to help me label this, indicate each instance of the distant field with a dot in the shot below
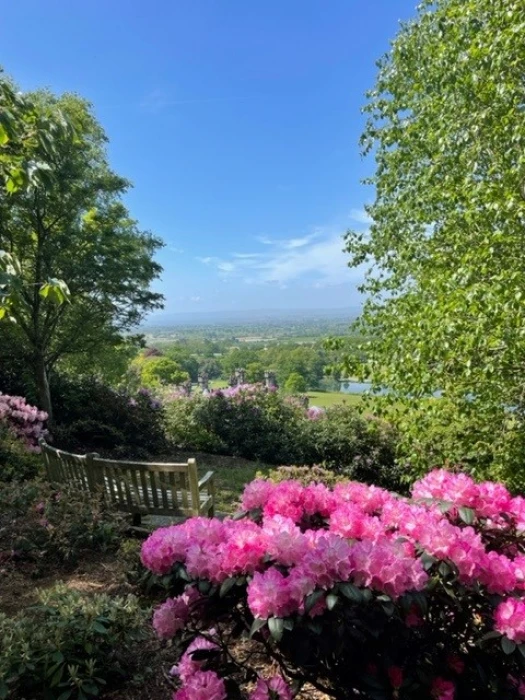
(324, 399)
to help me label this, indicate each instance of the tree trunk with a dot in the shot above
(44, 394)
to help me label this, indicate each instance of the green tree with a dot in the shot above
(254, 372)
(72, 225)
(446, 301)
(295, 384)
(161, 371)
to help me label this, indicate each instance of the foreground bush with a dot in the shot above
(42, 527)
(69, 646)
(356, 590)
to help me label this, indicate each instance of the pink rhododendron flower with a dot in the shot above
(187, 666)
(395, 676)
(275, 688)
(256, 494)
(172, 615)
(442, 689)
(509, 619)
(202, 685)
(269, 595)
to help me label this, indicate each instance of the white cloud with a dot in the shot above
(264, 240)
(226, 266)
(360, 216)
(317, 259)
(195, 299)
(297, 242)
(173, 249)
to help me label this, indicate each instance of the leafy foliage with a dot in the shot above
(41, 528)
(295, 384)
(161, 371)
(69, 646)
(446, 307)
(93, 416)
(16, 463)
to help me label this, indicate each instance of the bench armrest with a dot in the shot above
(205, 479)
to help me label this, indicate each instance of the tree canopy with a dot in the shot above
(446, 279)
(72, 225)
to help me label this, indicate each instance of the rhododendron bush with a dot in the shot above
(22, 420)
(356, 590)
(257, 422)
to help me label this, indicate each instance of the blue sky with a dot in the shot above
(238, 123)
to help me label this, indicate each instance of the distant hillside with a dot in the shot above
(269, 316)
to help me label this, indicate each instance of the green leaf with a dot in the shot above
(276, 627)
(257, 625)
(4, 136)
(312, 599)
(467, 515)
(351, 592)
(226, 586)
(508, 645)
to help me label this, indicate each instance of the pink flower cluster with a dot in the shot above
(24, 421)
(202, 685)
(489, 500)
(315, 413)
(307, 538)
(509, 619)
(199, 684)
(275, 688)
(173, 614)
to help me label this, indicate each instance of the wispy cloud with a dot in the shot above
(360, 216)
(317, 259)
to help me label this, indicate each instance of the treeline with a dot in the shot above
(310, 366)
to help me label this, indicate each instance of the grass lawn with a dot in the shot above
(231, 475)
(332, 398)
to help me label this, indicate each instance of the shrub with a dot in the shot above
(184, 429)
(362, 448)
(304, 475)
(93, 416)
(16, 462)
(69, 646)
(356, 590)
(254, 422)
(22, 420)
(248, 421)
(44, 527)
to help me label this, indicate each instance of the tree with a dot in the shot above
(161, 371)
(73, 226)
(255, 372)
(295, 384)
(446, 300)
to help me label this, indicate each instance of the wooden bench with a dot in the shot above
(139, 488)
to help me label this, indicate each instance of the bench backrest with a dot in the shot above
(134, 487)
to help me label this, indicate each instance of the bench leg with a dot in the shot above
(137, 520)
